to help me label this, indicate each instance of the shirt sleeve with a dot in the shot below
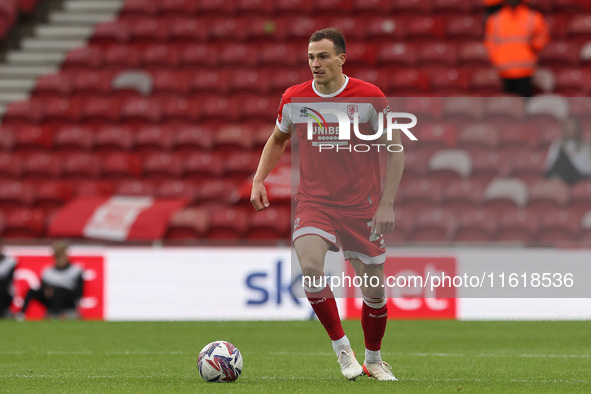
(284, 122)
(381, 109)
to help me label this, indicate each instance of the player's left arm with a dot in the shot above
(384, 220)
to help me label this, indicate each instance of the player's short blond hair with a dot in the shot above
(333, 34)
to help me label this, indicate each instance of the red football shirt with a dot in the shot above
(339, 177)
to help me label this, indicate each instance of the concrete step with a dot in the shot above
(2, 112)
(93, 6)
(22, 72)
(50, 46)
(34, 58)
(20, 85)
(46, 32)
(7, 98)
(79, 19)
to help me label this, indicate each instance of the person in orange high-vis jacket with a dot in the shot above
(515, 35)
(492, 7)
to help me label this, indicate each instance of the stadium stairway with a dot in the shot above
(69, 24)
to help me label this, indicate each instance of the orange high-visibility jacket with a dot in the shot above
(514, 39)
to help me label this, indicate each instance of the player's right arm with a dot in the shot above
(272, 151)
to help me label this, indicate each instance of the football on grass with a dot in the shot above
(219, 361)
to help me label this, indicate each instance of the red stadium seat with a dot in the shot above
(560, 54)
(122, 57)
(517, 226)
(476, 226)
(162, 166)
(24, 223)
(188, 224)
(121, 165)
(144, 8)
(53, 86)
(449, 82)
(270, 224)
(485, 82)
(548, 194)
(371, 75)
(51, 195)
(15, 194)
(408, 83)
(33, 139)
(505, 194)
(148, 31)
(281, 81)
(169, 83)
(353, 28)
(160, 56)
(137, 112)
(361, 54)
(450, 164)
(61, 112)
(411, 7)
(384, 29)
(233, 139)
(528, 166)
(241, 165)
(397, 53)
(428, 109)
(451, 7)
(185, 31)
(238, 54)
(110, 33)
(372, 7)
(24, 113)
(579, 27)
(100, 111)
(437, 54)
(204, 166)
(220, 108)
(259, 108)
(464, 27)
(332, 7)
(434, 225)
(11, 165)
(419, 194)
(94, 188)
(135, 187)
(227, 223)
(153, 138)
(415, 162)
(198, 55)
(225, 30)
(463, 195)
(183, 8)
(479, 135)
(509, 109)
(436, 135)
(255, 7)
(216, 7)
(208, 82)
(216, 192)
(462, 110)
(487, 165)
(280, 54)
(83, 59)
(181, 110)
(249, 81)
(518, 137)
(81, 166)
(544, 6)
(7, 137)
(571, 6)
(573, 82)
(303, 7)
(192, 139)
(403, 229)
(43, 166)
(473, 54)
(580, 196)
(175, 189)
(73, 139)
(92, 84)
(424, 28)
(559, 225)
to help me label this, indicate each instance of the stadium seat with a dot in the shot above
(360, 54)
(177, 8)
(120, 165)
(279, 54)
(505, 109)
(217, 192)
(476, 226)
(93, 188)
(220, 109)
(353, 28)
(24, 223)
(463, 194)
(281, 81)
(436, 135)
(544, 113)
(24, 113)
(518, 137)
(409, 83)
(332, 7)
(434, 225)
(42, 166)
(451, 7)
(560, 54)
(92, 84)
(61, 112)
(474, 54)
(180, 111)
(528, 166)
(463, 27)
(573, 82)
(53, 86)
(403, 229)
(487, 165)
(505, 194)
(227, 223)
(135, 187)
(450, 164)
(384, 30)
(579, 28)
(141, 8)
(303, 7)
(188, 224)
(270, 224)
(255, 7)
(33, 140)
(449, 82)
(557, 24)
(162, 166)
(198, 55)
(258, 107)
(580, 196)
(480, 135)
(51, 195)
(485, 82)
(204, 166)
(7, 137)
(462, 110)
(415, 161)
(119, 57)
(249, 81)
(260, 29)
(423, 28)
(15, 194)
(208, 82)
(110, 33)
(178, 189)
(397, 54)
(81, 166)
(416, 194)
(83, 59)
(430, 112)
(148, 31)
(171, 84)
(192, 139)
(586, 227)
(73, 139)
(437, 54)
(544, 80)
(11, 165)
(131, 84)
(411, 7)
(160, 57)
(153, 138)
(548, 194)
(225, 30)
(241, 165)
(216, 7)
(559, 225)
(113, 139)
(185, 30)
(517, 226)
(138, 112)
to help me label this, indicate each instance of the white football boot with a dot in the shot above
(350, 367)
(379, 371)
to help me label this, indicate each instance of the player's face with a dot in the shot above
(325, 64)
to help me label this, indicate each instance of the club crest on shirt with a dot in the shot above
(351, 110)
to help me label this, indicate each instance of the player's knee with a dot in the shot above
(311, 268)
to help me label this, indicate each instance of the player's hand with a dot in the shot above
(383, 221)
(258, 196)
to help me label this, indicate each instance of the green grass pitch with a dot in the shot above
(160, 357)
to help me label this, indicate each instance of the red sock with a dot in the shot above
(325, 306)
(373, 322)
